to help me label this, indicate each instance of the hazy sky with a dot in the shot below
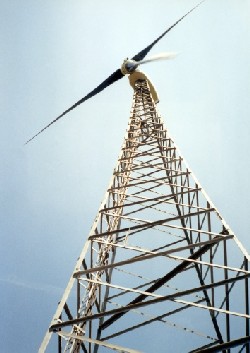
(52, 54)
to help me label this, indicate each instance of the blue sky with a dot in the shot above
(52, 54)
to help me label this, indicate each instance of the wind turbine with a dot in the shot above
(152, 175)
(128, 67)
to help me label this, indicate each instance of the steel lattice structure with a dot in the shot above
(161, 270)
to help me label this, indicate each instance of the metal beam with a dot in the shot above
(148, 224)
(150, 256)
(55, 327)
(227, 345)
(114, 347)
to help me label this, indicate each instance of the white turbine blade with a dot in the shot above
(157, 57)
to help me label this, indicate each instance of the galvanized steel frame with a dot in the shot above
(149, 161)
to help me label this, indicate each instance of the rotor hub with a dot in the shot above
(128, 66)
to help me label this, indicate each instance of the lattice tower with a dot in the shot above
(161, 270)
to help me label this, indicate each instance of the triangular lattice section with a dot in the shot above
(161, 270)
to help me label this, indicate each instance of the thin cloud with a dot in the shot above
(41, 287)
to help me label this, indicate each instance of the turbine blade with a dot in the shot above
(162, 56)
(141, 55)
(115, 76)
